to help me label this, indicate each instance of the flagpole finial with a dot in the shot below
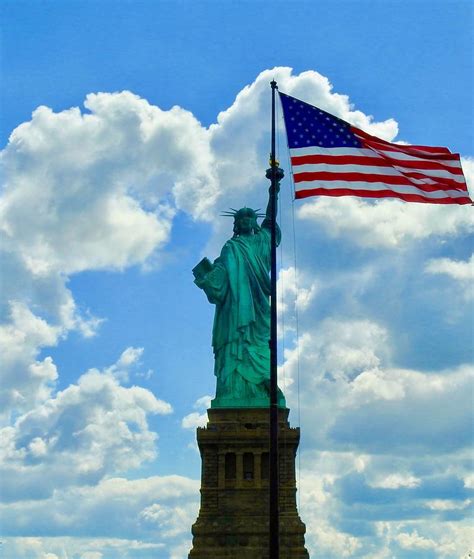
(274, 85)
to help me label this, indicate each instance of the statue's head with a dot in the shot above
(245, 221)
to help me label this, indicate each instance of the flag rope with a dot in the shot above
(291, 191)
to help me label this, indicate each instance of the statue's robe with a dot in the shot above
(239, 286)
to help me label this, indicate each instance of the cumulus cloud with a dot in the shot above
(404, 404)
(461, 271)
(457, 269)
(25, 379)
(154, 513)
(391, 443)
(78, 436)
(87, 190)
(338, 349)
(385, 224)
(344, 516)
(129, 359)
(347, 364)
(293, 291)
(82, 548)
(414, 541)
(394, 481)
(197, 418)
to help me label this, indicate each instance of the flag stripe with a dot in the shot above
(375, 160)
(365, 152)
(401, 147)
(425, 184)
(305, 193)
(432, 174)
(426, 192)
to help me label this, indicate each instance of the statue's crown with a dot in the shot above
(249, 212)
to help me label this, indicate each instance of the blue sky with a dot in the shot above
(126, 128)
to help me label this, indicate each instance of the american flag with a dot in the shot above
(331, 157)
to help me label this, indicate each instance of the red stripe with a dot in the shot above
(325, 176)
(382, 161)
(449, 183)
(377, 147)
(424, 149)
(379, 194)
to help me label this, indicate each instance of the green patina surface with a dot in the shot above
(238, 284)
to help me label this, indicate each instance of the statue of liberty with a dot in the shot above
(238, 283)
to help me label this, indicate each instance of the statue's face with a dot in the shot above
(245, 225)
(245, 221)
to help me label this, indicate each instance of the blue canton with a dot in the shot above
(308, 126)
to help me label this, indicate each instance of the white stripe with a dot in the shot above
(397, 155)
(375, 186)
(435, 173)
(365, 152)
(374, 170)
(313, 150)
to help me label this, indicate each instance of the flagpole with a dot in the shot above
(275, 175)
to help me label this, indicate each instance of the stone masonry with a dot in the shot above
(233, 519)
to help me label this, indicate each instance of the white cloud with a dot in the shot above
(80, 548)
(469, 481)
(338, 349)
(444, 539)
(328, 540)
(193, 420)
(414, 541)
(130, 356)
(196, 419)
(129, 359)
(88, 430)
(87, 190)
(447, 504)
(396, 480)
(461, 271)
(154, 515)
(346, 379)
(387, 223)
(36, 312)
(294, 292)
(25, 380)
(203, 403)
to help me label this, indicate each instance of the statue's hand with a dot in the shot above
(279, 174)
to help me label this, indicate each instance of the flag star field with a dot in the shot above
(307, 125)
(128, 131)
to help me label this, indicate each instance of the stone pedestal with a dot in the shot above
(233, 519)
